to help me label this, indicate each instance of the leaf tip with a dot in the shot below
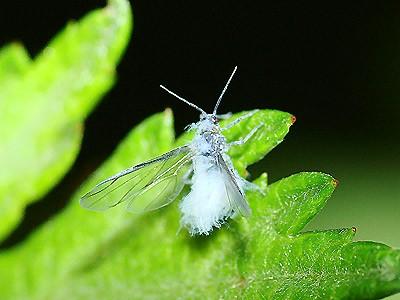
(292, 119)
(168, 115)
(262, 181)
(168, 112)
(335, 182)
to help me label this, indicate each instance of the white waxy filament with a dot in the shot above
(207, 205)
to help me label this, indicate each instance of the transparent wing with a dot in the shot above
(234, 193)
(147, 186)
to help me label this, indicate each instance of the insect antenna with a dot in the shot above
(183, 99)
(223, 91)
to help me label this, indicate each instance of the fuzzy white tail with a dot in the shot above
(207, 205)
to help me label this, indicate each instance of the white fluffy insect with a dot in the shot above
(217, 190)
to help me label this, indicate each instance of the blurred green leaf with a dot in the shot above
(43, 104)
(14, 61)
(77, 237)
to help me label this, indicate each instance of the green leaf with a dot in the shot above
(77, 237)
(322, 265)
(312, 265)
(14, 62)
(44, 102)
(304, 192)
(117, 255)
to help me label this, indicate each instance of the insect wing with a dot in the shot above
(234, 193)
(164, 189)
(147, 186)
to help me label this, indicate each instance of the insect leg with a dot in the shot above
(250, 186)
(238, 120)
(247, 137)
(187, 180)
(224, 116)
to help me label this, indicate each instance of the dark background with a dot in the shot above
(335, 65)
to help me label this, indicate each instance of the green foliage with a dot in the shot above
(14, 61)
(89, 255)
(80, 254)
(43, 104)
(76, 238)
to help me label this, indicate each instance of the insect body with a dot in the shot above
(217, 191)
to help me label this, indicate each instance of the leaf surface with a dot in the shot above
(44, 102)
(77, 237)
(14, 61)
(88, 255)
